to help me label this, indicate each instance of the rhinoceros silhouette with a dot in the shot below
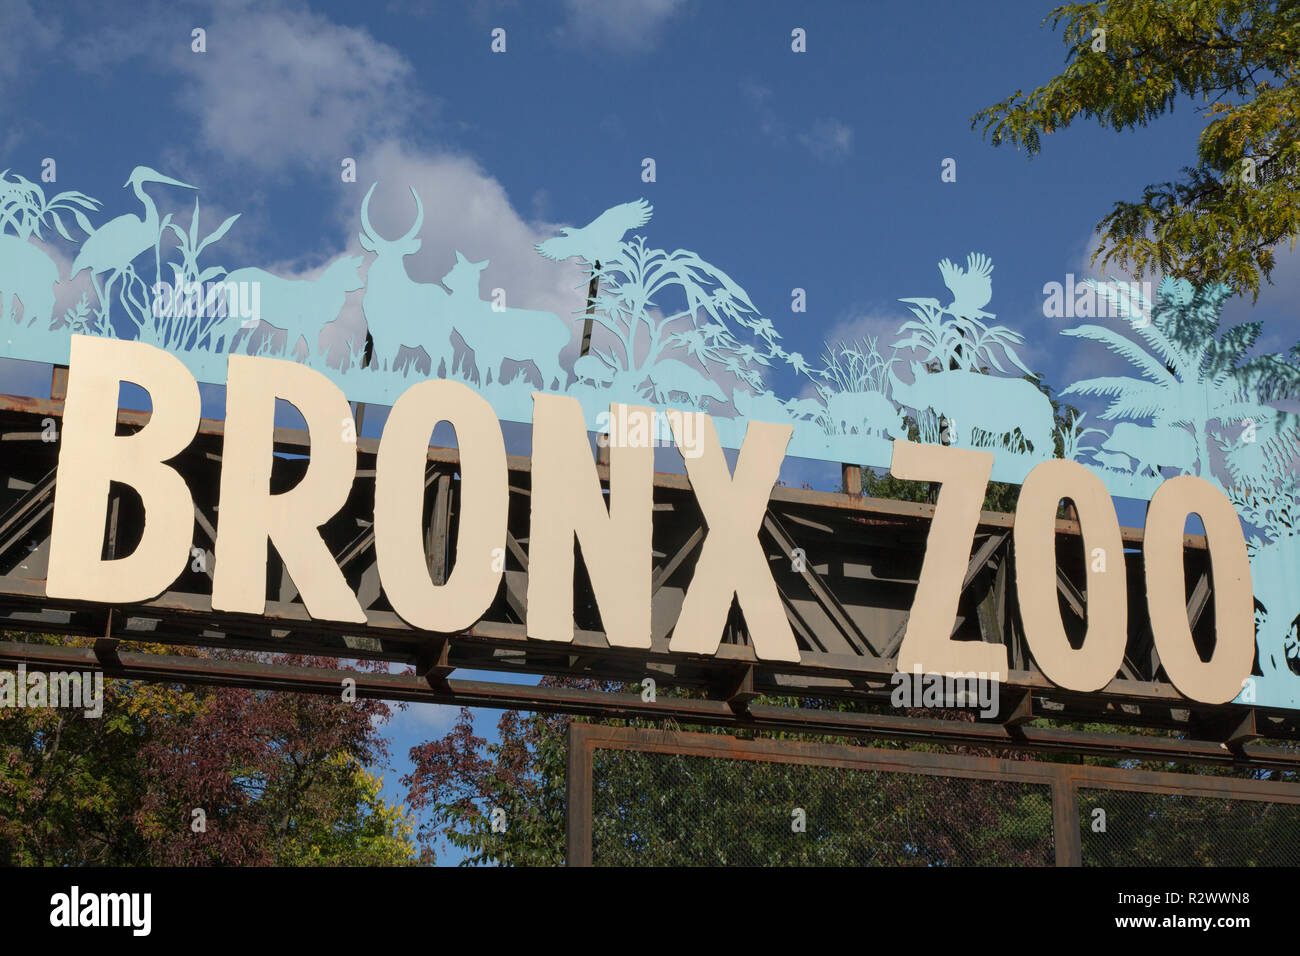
(996, 405)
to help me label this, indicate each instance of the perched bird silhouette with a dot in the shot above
(114, 245)
(971, 288)
(598, 240)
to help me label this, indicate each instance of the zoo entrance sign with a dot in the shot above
(567, 503)
(680, 354)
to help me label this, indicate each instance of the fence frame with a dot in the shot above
(1065, 780)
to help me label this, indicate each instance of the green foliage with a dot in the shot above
(279, 776)
(343, 821)
(673, 810)
(1223, 218)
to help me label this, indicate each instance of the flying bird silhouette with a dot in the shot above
(598, 240)
(971, 288)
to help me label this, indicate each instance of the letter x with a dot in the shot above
(731, 559)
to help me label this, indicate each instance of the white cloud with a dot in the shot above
(620, 25)
(759, 98)
(287, 87)
(422, 720)
(25, 37)
(828, 139)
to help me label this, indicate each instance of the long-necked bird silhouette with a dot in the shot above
(971, 288)
(114, 245)
(597, 241)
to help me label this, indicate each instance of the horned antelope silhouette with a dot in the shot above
(400, 312)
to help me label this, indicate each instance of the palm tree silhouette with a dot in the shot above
(1192, 374)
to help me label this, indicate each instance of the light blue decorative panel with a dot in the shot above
(679, 332)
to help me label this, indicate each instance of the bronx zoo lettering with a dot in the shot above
(567, 503)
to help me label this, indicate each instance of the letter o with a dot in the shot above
(1092, 666)
(399, 506)
(1217, 680)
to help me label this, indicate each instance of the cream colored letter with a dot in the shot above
(1092, 666)
(731, 559)
(1217, 680)
(399, 505)
(91, 456)
(249, 515)
(567, 501)
(927, 642)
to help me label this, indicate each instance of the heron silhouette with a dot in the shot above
(598, 241)
(971, 288)
(114, 245)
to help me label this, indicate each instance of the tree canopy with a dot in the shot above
(278, 778)
(1128, 62)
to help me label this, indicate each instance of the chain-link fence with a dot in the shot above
(1137, 828)
(655, 809)
(657, 798)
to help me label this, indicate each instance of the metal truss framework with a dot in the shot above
(846, 568)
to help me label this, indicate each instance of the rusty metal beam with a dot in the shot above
(852, 634)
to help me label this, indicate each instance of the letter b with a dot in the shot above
(92, 455)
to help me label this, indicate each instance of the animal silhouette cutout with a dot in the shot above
(669, 376)
(802, 409)
(599, 240)
(301, 307)
(496, 334)
(865, 412)
(764, 406)
(1274, 570)
(589, 368)
(971, 288)
(400, 312)
(1153, 447)
(768, 407)
(28, 276)
(115, 245)
(998, 406)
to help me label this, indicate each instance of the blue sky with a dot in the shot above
(818, 170)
